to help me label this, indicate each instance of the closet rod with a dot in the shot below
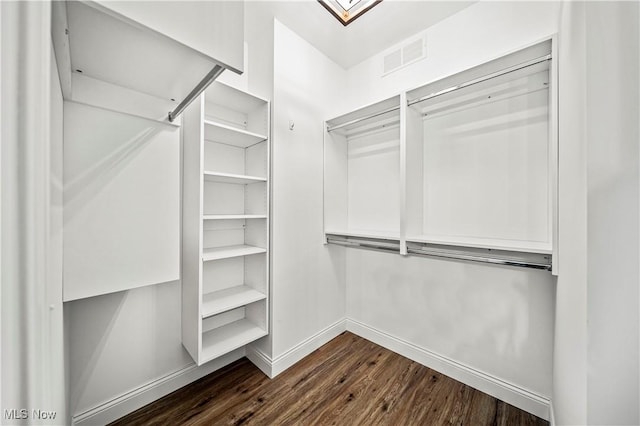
(357, 120)
(481, 79)
(394, 247)
(493, 260)
(206, 81)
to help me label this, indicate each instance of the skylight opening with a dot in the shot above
(346, 11)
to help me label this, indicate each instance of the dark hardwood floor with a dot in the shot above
(348, 381)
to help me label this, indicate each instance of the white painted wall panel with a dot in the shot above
(308, 281)
(485, 171)
(570, 346)
(373, 176)
(613, 209)
(121, 341)
(494, 319)
(121, 202)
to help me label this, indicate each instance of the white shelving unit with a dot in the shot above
(225, 222)
(464, 167)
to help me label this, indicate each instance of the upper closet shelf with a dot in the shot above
(518, 73)
(113, 62)
(217, 132)
(382, 114)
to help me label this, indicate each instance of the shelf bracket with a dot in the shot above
(201, 87)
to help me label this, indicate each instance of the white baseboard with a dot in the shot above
(304, 348)
(498, 388)
(552, 416)
(139, 397)
(273, 367)
(260, 360)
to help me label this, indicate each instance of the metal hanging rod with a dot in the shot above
(372, 245)
(357, 120)
(206, 81)
(476, 258)
(482, 79)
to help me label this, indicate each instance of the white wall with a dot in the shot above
(121, 341)
(477, 34)
(31, 313)
(613, 279)
(121, 202)
(596, 371)
(570, 349)
(308, 281)
(495, 321)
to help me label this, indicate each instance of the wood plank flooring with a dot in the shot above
(348, 381)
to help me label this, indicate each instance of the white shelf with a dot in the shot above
(387, 111)
(381, 235)
(486, 243)
(232, 178)
(111, 48)
(232, 336)
(233, 216)
(227, 252)
(217, 132)
(230, 298)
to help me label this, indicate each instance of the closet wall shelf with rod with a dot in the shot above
(385, 245)
(103, 61)
(496, 257)
(484, 243)
(362, 163)
(391, 236)
(462, 168)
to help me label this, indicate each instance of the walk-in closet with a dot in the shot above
(376, 212)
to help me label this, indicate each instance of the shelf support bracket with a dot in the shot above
(206, 81)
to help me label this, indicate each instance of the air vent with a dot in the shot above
(412, 52)
(392, 61)
(404, 55)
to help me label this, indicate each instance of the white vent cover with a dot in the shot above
(392, 61)
(404, 55)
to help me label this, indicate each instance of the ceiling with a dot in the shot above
(383, 26)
